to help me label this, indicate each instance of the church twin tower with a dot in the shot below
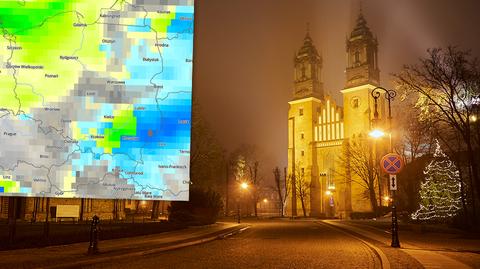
(318, 128)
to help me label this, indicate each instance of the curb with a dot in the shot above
(174, 245)
(384, 262)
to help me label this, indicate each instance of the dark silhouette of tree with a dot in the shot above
(281, 189)
(246, 169)
(207, 159)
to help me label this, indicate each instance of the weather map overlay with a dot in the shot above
(95, 98)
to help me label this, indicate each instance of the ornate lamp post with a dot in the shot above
(376, 133)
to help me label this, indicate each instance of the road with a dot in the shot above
(272, 244)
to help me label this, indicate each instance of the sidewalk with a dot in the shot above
(432, 250)
(74, 255)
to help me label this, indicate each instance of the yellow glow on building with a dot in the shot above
(326, 126)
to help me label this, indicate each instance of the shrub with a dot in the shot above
(202, 208)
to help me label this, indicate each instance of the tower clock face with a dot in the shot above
(355, 102)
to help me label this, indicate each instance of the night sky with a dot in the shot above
(244, 49)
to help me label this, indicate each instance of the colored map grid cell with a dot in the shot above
(96, 98)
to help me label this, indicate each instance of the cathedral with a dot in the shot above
(321, 182)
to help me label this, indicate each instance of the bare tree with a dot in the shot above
(280, 189)
(358, 157)
(287, 182)
(417, 141)
(415, 145)
(246, 168)
(446, 86)
(416, 137)
(155, 210)
(303, 188)
(256, 181)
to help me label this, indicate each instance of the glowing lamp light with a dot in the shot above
(244, 185)
(376, 133)
(473, 118)
(265, 200)
(386, 198)
(328, 193)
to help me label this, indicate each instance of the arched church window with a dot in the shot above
(357, 57)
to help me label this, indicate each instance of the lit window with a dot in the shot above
(301, 111)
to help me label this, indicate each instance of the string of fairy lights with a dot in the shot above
(440, 193)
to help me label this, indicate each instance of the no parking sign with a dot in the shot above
(391, 163)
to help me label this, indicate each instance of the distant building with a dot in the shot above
(318, 127)
(35, 209)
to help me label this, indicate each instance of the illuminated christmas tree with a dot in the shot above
(440, 194)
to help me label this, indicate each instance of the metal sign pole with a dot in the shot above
(395, 240)
(393, 188)
(391, 163)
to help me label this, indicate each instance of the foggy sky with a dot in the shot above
(244, 49)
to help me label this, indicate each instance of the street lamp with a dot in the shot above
(389, 95)
(243, 187)
(376, 133)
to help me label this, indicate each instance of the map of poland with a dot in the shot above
(95, 98)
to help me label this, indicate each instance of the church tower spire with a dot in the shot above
(362, 60)
(308, 65)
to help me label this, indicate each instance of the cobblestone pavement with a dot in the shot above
(269, 244)
(447, 249)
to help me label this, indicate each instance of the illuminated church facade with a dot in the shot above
(319, 128)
